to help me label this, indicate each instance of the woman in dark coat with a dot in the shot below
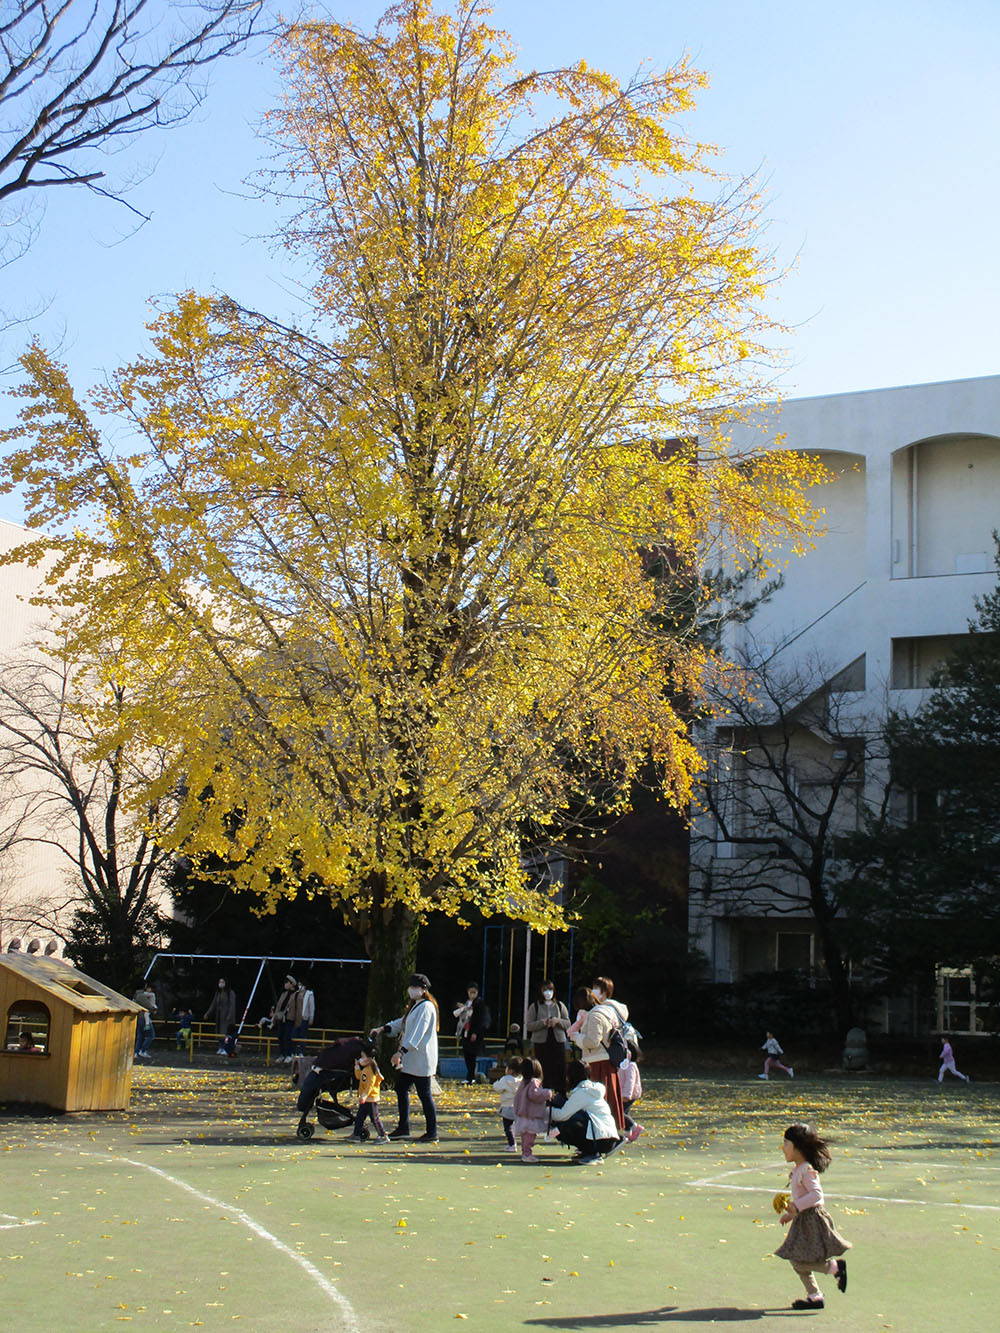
(223, 1009)
(473, 1024)
(546, 1027)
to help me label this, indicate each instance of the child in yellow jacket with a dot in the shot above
(369, 1076)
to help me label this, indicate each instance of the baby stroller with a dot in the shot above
(320, 1088)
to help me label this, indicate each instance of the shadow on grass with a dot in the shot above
(666, 1314)
(418, 1154)
(942, 1145)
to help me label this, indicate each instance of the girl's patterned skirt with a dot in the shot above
(812, 1238)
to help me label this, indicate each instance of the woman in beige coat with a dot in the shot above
(592, 1041)
(546, 1027)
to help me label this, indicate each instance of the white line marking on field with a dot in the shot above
(10, 1222)
(326, 1286)
(716, 1183)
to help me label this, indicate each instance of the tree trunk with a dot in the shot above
(837, 971)
(391, 941)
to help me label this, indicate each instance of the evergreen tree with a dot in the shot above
(927, 872)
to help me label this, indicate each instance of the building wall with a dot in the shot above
(910, 510)
(30, 873)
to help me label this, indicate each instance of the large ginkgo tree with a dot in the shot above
(383, 574)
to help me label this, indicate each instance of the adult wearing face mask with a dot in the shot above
(546, 1026)
(606, 1014)
(416, 1060)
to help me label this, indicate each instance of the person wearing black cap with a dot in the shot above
(416, 1060)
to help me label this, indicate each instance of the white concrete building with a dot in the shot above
(909, 545)
(32, 874)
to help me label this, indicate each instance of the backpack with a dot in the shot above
(620, 1036)
(616, 1046)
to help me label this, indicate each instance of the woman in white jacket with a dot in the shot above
(416, 1060)
(584, 1120)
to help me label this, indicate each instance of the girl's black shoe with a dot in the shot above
(841, 1274)
(808, 1305)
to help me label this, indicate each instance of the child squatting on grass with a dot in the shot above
(812, 1244)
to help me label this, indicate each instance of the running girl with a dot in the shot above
(812, 1244)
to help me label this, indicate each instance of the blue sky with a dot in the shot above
(875, 127)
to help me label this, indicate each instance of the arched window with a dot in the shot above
(27, 1017)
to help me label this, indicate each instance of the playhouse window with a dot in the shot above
(27, 1016)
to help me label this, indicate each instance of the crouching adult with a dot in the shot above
(584, 1121)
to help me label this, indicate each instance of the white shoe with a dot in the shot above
(791, 1073)
(763, 1076)
(511, 1147)
(221, 1051)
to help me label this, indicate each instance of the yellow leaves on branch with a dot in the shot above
(385, 581)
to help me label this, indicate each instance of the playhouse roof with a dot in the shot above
(63, 982)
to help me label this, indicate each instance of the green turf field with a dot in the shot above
(199, 1208)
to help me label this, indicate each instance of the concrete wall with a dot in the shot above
(914, 498)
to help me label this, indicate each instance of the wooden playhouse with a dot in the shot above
(68, 1040)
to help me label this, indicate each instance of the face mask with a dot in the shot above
(599, 996)
(414, 992)
(547, 994)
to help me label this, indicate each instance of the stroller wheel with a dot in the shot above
(304, 1131)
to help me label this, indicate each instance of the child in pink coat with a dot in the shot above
(531, 1114)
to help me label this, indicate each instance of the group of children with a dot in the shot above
(582, 1120)
(773, 1052)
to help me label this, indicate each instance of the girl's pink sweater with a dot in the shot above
(530, 1102)
(807, 1192)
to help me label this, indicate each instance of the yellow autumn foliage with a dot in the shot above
(381, 576)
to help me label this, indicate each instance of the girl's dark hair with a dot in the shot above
(810, 1145)
(576, 1073)
(530, 1069)
(583, 998)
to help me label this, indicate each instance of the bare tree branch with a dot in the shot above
(65, 787)
(790, 774)
(83, 77)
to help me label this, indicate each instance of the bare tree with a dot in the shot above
(70, 781)
(80, 78)
(792, 767)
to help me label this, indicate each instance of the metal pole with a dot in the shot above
(527, 977)
(153, 964)
(510, 978)
(253, 992)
